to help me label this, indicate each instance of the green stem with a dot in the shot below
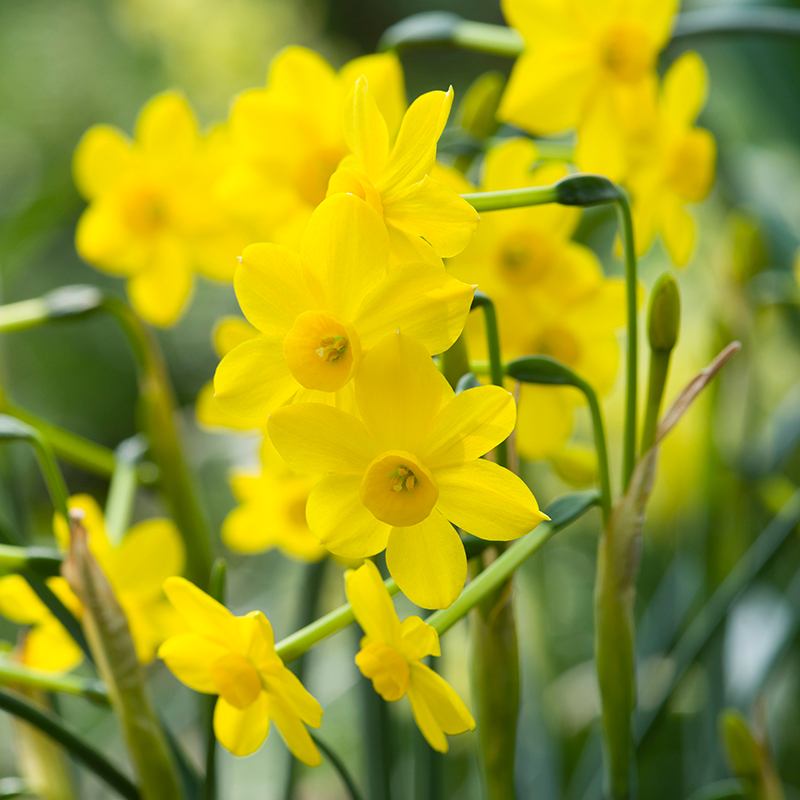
(216, 589)
(599, 432)
(657, 381)
(341, 769)
(122, 490)
(42, 561)
(732, 21)
(505, 199)
(81, 750)
(18, 674)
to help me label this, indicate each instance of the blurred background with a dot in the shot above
(727, 471)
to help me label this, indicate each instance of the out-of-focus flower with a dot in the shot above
(550, 293)
(673, 162)
(391, 657)
(234, 657)
(398, 475)
(153, 216)
(587, 66)
(424, 216)
(289, 136)
(320, 311)
(271, 511)
(46, 645)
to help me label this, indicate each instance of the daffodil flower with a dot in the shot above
(674, 163)
(45, 645)
(153, 217)
(397, 475)
(587, 66)
(234, 657)
(271, 511)
(319, 311)
(288, 137)
(391, 657)
(424, 216)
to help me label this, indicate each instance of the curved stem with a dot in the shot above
(122, 490)
(504, 199)
(81, 750)
(17, 674)
(732, 21)
(341, 769)
(599, 432)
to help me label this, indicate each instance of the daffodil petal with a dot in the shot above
(19, 603)
(469, 426)
(679, 232)
(486, 500)
(242, 731)
(414, 150)
(419, 300)
(447, 708)
(150, 552)
(371, 603)
(436, 213)
(50, 648)
(270, 287)
(418, 639)
(230, 332)
(398, 391)
(685, 89)
(101, 157)
(167, 126)
(364, 128)
(189, 657)
(315, 438)
(293, 731)
(161, 292)
(340, 520)
(297, 698)
(428, 562)
(202, 614)
(300, 72)
(253, 379)
(426, 722)
(545, 422)
(346, 247)
(384, 74)
(103, 240)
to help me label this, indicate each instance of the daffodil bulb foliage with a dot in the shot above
(391, 657)
(234, 658)
(319, 311)
(401, 471)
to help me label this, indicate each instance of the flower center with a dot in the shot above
(236, 679)
(691, 161)
(144, 210)
(559, 343)
(524, 257)
(386, 668)
(626, 51)
(398, 490)
(320, 351)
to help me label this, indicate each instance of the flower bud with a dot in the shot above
(586, 190)
(664, 314)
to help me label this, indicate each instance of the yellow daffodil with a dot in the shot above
(234, 657)
(152, 216)
(319, 311)
(587, 66)
(136, 567)
(228, 333)
(397, 476)
(271, 511)
(674, 162)
(46, 645)
(550, 294)
(289, 136)
(424, 216)
(391, 657)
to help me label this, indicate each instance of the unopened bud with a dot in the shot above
(664, 314)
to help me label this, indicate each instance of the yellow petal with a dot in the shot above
(418, 639)
(160, 293)
(437, 709)
(241, 732)
(285, 684)
(292, 731)
(434, 212)
(469, 426)
(428, 562)
(166, 126)
(101, 157)
(364, 128)
(685, 89)
(679, 232)
(104, 241)
(19, 603)
(602, 145)
(300, 73)
(419, 300)
(50, 648)
(151, 552)
(548, 90)
(203, 614)
(398, 391)
(253, 379)
(189, 657)
(346, 247)
(384, 75)
(372, 605)
(270, 287)
(229, 332)
(486, 500)
(340, 520)
(315, 438)
(658, 17)
(546, 416)
(414, 150)
(210, 414)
